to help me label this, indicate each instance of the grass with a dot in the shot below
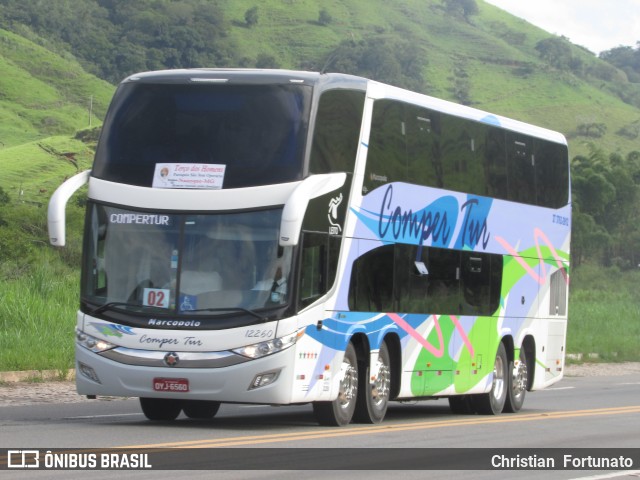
(37, 318)
(288, 30)
(43, 94)
(604, 313)
(38, 309)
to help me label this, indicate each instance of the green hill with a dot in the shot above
(485, 58)
(43, 94)
(489, 60)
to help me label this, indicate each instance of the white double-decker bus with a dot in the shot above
(281, 237)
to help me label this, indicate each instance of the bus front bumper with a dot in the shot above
(266, 380)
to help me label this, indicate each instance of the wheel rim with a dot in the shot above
(348, 384)
(519, 379)
(498, 379)
(382, 384)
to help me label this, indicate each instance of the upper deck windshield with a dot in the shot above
(174, 264)
(257, 132)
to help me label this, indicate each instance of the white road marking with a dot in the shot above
(102, 416)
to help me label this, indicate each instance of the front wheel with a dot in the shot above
(372, 403)
(340, 411)
(517, 389)
(200, 409)
(160, 408)
(492, 403)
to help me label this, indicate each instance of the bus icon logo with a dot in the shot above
(335, 227)
(23, 459)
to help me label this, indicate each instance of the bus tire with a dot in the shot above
(492, 402)
(200, 409)
(372, 403)
(339, 412)
(462, 405)
(161, 408)
(517, 388)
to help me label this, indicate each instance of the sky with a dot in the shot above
(595, 24)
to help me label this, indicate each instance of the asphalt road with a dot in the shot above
(579, 412)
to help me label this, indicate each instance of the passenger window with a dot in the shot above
(424, 157)
(552, 174)
(371, 288)
(480, 282)
(495, 163)
(521, 168)
(387, 156)
(313, 267)
(337, 131)
(443, 292)
(319, 266)
(463, 151)
(413, 279)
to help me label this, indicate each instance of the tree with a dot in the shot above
(324, 17)
(594, 129)
(251, 17)
(266, 61)
(556, 52)
(399, 63)
(4, 200)
(626, 59)
(464, 8)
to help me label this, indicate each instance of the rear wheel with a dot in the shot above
(517, 389)
(160, 408)
(372, 403)
(492, 403)
(340, 411)
(200, 409)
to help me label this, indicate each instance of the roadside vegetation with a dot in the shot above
(58, 78)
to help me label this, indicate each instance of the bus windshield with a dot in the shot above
(184, 264)
(256, 133)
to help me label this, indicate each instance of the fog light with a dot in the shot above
(264, 379)
(88, 372)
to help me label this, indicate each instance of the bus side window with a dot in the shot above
(424, 156)
(337, 131)
(463, 149)
(371, 286)
(552, 174)
(521, 168)
(443, 292)
(387, 156)
(410, 284)
(319, 265)
(481, 279)
(313, 267)
(495, 164)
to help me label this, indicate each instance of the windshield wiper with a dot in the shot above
(110, 305)
(226, 309)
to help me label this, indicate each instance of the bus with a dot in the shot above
(282, 237)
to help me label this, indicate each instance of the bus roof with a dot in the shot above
(375, 90)
(246, 76)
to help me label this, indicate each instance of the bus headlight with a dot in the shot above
(96, 345)
(262, 349)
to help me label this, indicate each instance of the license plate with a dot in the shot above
(171, 385)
